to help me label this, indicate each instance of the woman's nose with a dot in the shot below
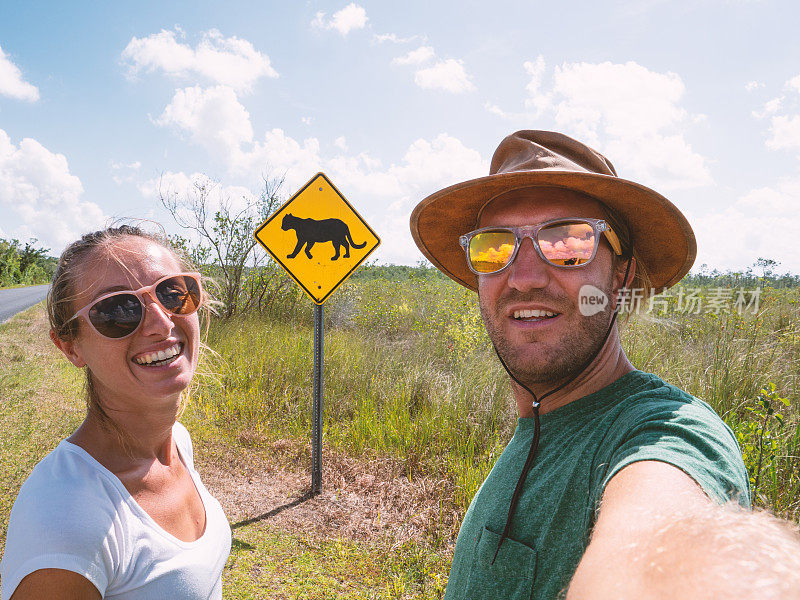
(156, 319)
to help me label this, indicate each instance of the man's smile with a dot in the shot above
(533, 315)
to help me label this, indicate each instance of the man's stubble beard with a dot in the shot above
(566, 360)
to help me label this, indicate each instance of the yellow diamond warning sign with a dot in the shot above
(318, 238)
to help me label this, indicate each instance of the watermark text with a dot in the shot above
(688, 301)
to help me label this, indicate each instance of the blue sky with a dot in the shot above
(99, 101)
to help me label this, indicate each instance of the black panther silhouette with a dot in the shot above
(311, 231)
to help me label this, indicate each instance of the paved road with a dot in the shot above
(18, 299)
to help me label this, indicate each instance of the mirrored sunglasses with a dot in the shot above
(118, 314)
(562, 243)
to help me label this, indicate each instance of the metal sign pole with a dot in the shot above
(327, 217)
(316, 440)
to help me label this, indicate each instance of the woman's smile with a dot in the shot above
(159, 358)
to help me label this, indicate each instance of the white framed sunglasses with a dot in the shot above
(567, 243)
(117, 315)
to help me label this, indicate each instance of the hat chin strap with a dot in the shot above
(537, 425)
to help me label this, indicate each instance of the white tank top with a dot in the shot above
(74, 514)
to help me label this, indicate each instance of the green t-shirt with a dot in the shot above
(583, 445)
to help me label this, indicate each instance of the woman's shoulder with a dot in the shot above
(66, 515)
(68, 481)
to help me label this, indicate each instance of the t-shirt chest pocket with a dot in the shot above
(512, 574)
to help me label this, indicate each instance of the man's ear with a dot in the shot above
(620, 274)
(69, 349)
(620, 281)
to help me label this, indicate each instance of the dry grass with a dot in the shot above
(367, 499)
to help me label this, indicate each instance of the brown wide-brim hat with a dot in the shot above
(659, 233)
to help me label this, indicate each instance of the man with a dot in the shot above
(602, 452)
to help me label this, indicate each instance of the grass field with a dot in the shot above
(42, 404)
(409, 372)
(411, 384)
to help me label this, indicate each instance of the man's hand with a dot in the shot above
(658, 536)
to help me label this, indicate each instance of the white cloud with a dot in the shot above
(536, 71)
(770, 108)
(344, 21)
(785, 132)
(427, 166)
(536, 100)
(182, 186)
(416, 57)
(755, 225)
(227, 61)
(277, 154)
(630, 113)
(784, 114)
(135, 165)
(168, 183)
(11, 82)
(759, 223)
(430, 165)
(496, 110)
(386, 196)
(754, 85)
(626, 100)
(39, 192)
(213, 117)
(447, 75)
(394, 38)
(124, 173)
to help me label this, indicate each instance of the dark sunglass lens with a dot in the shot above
(179, 295)
(116, 316)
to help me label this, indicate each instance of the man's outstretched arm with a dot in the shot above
(659, 536)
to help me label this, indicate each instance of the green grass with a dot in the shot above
(41, 402)
(22, 285)
(266, 563)
(727, 359)
(409, 374)
(446, 418)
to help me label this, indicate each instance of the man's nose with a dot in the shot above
(529, 270)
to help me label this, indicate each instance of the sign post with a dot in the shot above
(317, 217)
(316, 436)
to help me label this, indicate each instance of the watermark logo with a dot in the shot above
(688, 301)
(591, 300)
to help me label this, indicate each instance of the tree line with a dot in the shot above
(24, 264)
(762, 273)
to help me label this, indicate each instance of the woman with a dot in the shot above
(117, 509)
